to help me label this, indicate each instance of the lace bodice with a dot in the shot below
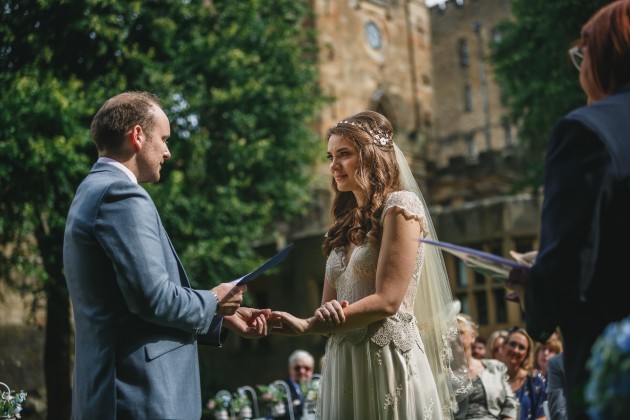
(357, 279)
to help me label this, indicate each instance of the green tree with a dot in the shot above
(239, 83)
(535, 74)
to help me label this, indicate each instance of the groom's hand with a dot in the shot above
(249, 322)
(230, 298)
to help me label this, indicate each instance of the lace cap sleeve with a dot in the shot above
(410, 204)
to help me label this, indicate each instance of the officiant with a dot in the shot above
(580, 277)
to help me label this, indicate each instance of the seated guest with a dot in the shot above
(491, 396)
(530, 389)
(544, 352)
(556, 399)
(479, 348)
(494, 347)
(301, 365)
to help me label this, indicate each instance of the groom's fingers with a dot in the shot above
(235, 292)
(263, 328)
(230, 297)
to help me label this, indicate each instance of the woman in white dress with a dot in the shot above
(393, 350)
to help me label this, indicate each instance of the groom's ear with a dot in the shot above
(136, 137)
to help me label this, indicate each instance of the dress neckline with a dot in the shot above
(345, 263)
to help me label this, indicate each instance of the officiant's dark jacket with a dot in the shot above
(136, 318)
(581, 279)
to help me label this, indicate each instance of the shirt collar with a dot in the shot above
(120, 166)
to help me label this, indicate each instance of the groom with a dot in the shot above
(136, 317)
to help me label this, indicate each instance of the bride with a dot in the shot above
(393, 350)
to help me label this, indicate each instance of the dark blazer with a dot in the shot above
(297, 401)
(296, 395)
(580, 280)
(136, 317)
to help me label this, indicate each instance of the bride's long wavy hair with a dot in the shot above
(377, 175)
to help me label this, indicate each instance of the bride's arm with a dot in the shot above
(330, 311)
(396, 261)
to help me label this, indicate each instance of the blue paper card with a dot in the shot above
(272, 262)
(483, 262)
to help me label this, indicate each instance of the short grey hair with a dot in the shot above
(300, 355)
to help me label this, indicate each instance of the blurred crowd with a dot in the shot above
(513, 377)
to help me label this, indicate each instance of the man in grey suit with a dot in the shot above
(136, 317)
(555, 388)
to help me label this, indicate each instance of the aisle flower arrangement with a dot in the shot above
(608, 389)
(11, 404)
(241, 405)
(273, 397)
(310, 390)
(219, 406)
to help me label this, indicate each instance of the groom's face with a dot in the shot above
(154, 148)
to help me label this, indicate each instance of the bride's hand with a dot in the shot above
(287, 324)
(332, 311)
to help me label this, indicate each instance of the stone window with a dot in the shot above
(468, 102)
(473, 152)
(508, 134)
(464, 53)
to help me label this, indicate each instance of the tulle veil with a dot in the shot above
(435, 311)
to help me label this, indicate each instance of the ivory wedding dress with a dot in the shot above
(379, 371)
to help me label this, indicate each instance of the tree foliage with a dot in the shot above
(535, 74)
(239, 83)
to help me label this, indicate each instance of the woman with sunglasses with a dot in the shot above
(579, 281)
(530, 388)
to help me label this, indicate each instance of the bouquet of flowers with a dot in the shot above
(11, 405)
(608, 389)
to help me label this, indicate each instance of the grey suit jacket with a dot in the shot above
(555, 388)
(136, 317)
(500, 399)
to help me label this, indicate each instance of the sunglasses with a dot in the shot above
(516, 345)
(576, 56)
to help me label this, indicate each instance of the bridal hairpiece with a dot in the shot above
(379, 137)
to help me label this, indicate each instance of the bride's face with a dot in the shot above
(344, 161)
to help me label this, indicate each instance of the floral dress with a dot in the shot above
(532, 395)
(379, 371)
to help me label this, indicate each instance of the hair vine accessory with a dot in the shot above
(379, 137)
